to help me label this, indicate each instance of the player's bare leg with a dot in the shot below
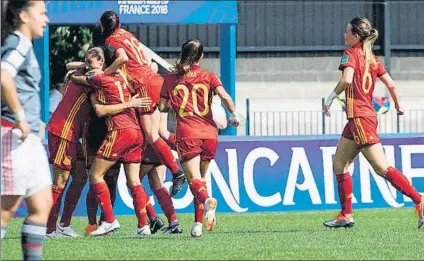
(100, 188)
(156, 176)
(375, 156)
(192, 168)
(9, 206)
(60, 179)
(168, 136)
(34, 227)
(345, 155)
(132, 172)
(73, 194)
(151, 124)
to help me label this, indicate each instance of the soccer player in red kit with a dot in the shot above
(127, 53)
(94, 133)
(360, 69)
(190, 90)
(124, 143)
(64, 131)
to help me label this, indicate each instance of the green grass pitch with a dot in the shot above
(378, 234)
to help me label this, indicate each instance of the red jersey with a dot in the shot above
(68, 120)
(137, 61)
(191, 100)
(113, 90)
(359, 93)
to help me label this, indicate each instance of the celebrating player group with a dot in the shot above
(133, 99)
(115, 113)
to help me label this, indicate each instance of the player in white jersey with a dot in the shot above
(25, 170)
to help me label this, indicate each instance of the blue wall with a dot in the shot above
(290, 174)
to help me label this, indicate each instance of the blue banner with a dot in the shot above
(151, 12)
(293, 174)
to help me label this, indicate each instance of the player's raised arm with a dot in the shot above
(391, 86)
(121, 59)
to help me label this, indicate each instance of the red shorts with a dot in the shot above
(63, 153)
(151, 88)
(125, 145)
(362, 130)
(150, 157)
(190, 148)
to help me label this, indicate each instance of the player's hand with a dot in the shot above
(24, 127)
(140, 102)
(399, 110)
(327, 110)
(234, 119)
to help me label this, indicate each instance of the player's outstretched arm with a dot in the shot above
(121, 59)
(103, 110)
(344, 82)
(391, 86)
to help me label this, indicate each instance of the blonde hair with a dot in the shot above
(96, 52)
(368, 35)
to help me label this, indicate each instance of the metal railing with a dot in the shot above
(274, 123)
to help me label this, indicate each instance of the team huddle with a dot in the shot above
(133, 100)
(116, 114)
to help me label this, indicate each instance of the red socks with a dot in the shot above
(166, 204)
(198, 188)
(54, 213)
(401, 183)
(71, 200)
(171, 140)
(164, 152)
(199, 208)
(103, 197)
(345, 189)
(151, 213)
(139, 200)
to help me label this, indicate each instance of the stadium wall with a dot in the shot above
(263, 174)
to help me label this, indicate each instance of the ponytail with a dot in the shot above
(191, 52)
(367, 48)
(182, 67)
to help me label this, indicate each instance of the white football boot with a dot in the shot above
(144, 231)
(67, 231)
(105, 228)
(196, 229)
(210, 217)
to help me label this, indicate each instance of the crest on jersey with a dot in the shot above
(110, 48)
(345, 59)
